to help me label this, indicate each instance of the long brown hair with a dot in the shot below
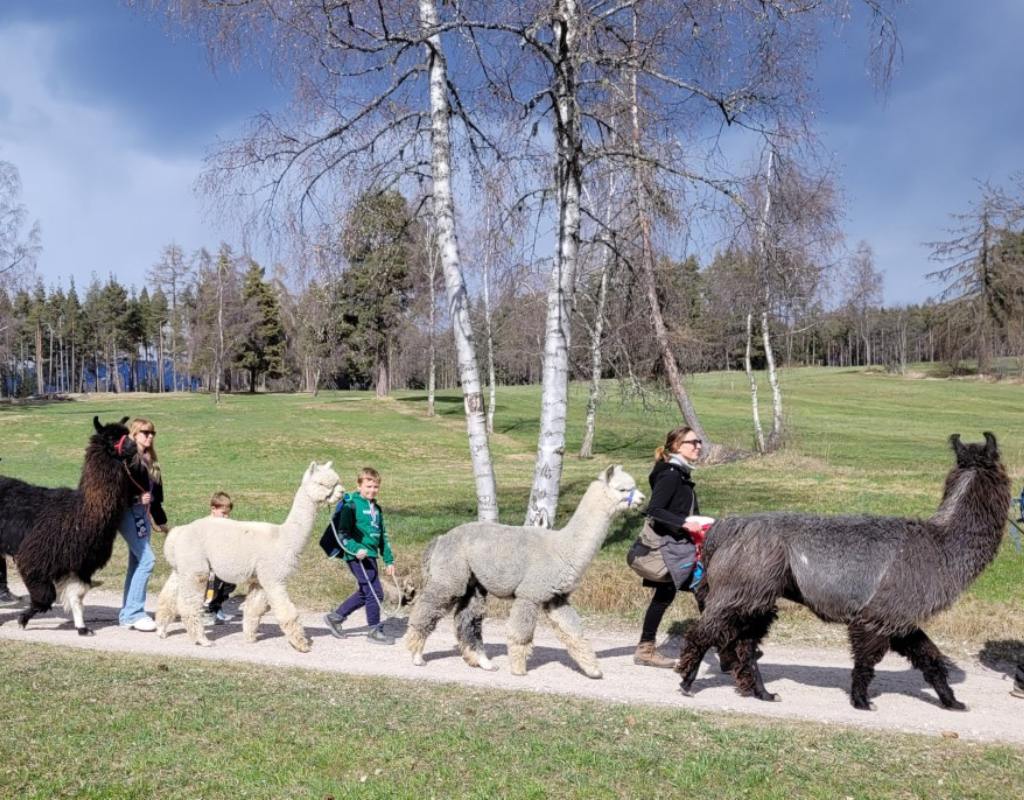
(672, 440)
(149, 458)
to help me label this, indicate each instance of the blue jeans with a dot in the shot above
(140, 563)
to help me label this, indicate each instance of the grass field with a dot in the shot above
(86, 725)
(858, 442)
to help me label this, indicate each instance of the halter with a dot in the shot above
(629, 497)
(119, 447)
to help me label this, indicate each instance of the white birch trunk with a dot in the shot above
(488, 332)
(758, 432)
(596, 332)
(775, 437)
(547, 476)
(458, 301)
(432, 352)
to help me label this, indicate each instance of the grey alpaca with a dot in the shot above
(881, 576)
(537, 568)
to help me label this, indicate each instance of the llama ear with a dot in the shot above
(954, 442)
(991, 448)
(96, 424)
(311, 467)
(606, 476)
(124, 420)
(329, 465)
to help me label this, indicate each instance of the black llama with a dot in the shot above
(60, 537)
(881, 576)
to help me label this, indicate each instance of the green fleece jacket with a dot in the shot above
(360, 523)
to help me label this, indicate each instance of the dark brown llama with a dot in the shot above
(881, 576)
(60, 537)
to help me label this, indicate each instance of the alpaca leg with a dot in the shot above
(925, 656)
(72, 589)
(745, 671)
(42, 595)
(190, 605)
(868, 649)
(699, 639)
(522, 622)
(167, 605)
(255, 606)
(569, 627)
(430, 606)
(287, 617)
(469, 618)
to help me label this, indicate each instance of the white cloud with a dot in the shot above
(106, 202)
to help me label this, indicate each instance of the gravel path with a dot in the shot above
(812, 683)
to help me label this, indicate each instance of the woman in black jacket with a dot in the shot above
(137, 526)
(673, 499)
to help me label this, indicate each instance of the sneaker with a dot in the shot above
(7, 599)
(1018, 691)
(377, 636)
(143, 624)
(334, 623)
(222, 617)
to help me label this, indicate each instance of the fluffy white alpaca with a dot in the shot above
(258, 554)
(537, 567)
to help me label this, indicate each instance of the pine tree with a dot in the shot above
(262, 351)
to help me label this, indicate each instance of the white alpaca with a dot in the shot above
(258, 554)
(537, 567)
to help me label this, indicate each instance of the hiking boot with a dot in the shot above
(7, 599)
(334, 623)
(377, 636)
(1017, 691)
(647, 656)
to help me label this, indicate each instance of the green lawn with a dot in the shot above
(857, 442)
(110, 727)
(80, 724)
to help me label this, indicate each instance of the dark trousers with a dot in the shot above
(1018, 676)
(365, 573)
(664, 594)
(3, 574)
(221, 591)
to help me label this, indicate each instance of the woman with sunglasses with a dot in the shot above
(137, 526)
(673, 499)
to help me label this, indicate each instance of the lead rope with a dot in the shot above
(369, 583)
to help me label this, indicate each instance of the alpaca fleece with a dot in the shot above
(883, 577)
(60, 537)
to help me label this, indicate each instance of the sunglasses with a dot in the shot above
(148, 433)
(694, 442)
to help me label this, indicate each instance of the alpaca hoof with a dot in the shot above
(518, 671)
(417, 660)
(863, 705)
(955, 705)
(22, 622)
(303, 645)
(486, 664)
(204, 643)
(768, 697)
(85, 632)
(686, 690)
(596, 674)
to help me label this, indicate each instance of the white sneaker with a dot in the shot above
(143, 624)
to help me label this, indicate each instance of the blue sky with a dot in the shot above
(108, 118)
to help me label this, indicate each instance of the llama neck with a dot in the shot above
(585, 532)
(105, 491)
(971, 520)
(299, 522)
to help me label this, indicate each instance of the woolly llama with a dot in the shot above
(881, 576)
(258, 554)
(60, 537)
(535, 567)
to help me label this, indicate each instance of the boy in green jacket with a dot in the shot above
(359, 522)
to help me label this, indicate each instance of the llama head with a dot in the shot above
(983, 455)
(322, 483)
(622, 487)
(113, 439)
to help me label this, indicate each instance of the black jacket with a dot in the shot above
(673, 499)
(140, 475)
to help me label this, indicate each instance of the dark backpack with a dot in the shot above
(330, 540)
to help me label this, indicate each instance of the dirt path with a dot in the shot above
(812, 683)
